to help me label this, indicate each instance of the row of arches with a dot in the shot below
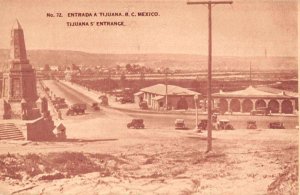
(247, 105)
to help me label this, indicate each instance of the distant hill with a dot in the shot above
(39, 58)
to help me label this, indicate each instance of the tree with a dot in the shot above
(128, 67)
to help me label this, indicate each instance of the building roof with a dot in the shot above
(256, 92)
(159, 97)
(160, 89)
(277, 91)
(138, 93)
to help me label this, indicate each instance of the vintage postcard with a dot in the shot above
(149, 97)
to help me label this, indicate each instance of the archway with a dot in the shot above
(223, 105)
(235, 105)
(260, 104)
(274, 106)
(287, 107)
(247, 105)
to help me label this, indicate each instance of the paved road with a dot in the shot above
(162, 120)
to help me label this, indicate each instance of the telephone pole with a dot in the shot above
(166, 83)
(209, 113)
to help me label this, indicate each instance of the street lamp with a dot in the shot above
(196, 98)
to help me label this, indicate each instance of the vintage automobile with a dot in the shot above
(180, 124)
(76, 109)
(203, 124)
(251, 124)
(276, 125)
(224, 124)
(136, 123)
(104, 100)
(261, 111)
(59, 103)
(126, 99)
(95, 106)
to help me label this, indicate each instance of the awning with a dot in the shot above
(158, 97)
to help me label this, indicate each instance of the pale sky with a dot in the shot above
(245, 28)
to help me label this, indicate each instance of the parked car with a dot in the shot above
(59, 103)
(180, 124)
(261, 111)
(104, 100)
(251, 124)
(276, 125)
(126, 99)
(224, 124)
(95, 106)
(136, 123)
(76, 109)
(203, 124)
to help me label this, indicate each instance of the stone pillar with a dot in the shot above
(280, 104)
(5, 109)
(228, 104)
(241, 104)
(24, 108)
(267, 102)
(39, 103)
(254, 102)
(293, 105)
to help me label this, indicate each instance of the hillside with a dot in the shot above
(175, 61)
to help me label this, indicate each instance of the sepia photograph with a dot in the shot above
(117, 97)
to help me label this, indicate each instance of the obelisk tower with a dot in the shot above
(19, 80)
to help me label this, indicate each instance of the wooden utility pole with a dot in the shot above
(250, 74)
(166, 83)
(209, 99)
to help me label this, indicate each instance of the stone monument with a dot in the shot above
(19, 80)
(19, 99)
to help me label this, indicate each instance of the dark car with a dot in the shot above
(203, 124)
(95, 106)
(76, 109)
(276, 125)
(180, 124)
(136, 123)
(104, 100)
(251, 125)
(224, 124)
(126, 99)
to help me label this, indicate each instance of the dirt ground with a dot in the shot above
(102, 156)
(153, 161)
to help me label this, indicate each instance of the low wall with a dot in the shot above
(40, 129)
